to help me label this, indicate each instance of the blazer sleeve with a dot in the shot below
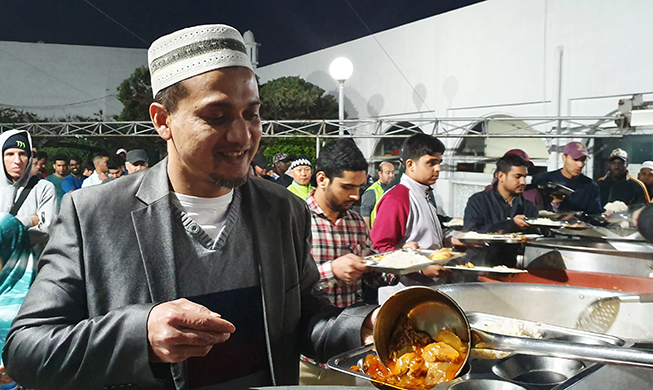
(53, 344)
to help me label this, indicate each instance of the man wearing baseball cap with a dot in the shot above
(645, 175)
(136, 160)
(618, 185)
(187, 275)
(586, 196)
(281, 162)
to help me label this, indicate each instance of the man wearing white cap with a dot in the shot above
(301, 171)
(645, 175)
(618, 185)
(191, 275)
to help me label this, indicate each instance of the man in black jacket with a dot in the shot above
(501, 210)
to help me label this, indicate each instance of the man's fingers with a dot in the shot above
(193, 316)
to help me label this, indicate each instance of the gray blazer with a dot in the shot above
(110, 260)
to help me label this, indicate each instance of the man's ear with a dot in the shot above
(321, 179)
(410, 164)
(501, 176)
(161, 120)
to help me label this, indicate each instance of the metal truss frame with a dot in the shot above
(543, 127)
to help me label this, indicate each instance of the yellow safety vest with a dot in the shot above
(378, 193)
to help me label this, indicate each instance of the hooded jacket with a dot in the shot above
(41, 201)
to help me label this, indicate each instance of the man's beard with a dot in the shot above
(221, 181)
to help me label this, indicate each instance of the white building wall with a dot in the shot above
(510, 57)
(54, 81)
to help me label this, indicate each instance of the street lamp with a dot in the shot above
(341, 69)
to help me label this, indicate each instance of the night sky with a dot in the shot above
(285, 29)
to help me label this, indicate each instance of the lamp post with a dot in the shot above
(341, 69)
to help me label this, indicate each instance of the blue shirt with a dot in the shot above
(70, 183)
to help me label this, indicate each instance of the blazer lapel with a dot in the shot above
(153, 226)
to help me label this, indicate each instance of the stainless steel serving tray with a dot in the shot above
(491, 368)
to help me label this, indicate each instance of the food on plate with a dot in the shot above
(400, 259)
(616, 207)
(418, 361)
(466, 265)
(542, 222)
(441, 254)
(454, 222)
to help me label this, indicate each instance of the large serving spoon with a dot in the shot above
(599, 315)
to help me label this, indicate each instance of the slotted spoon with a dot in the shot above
(599, 315)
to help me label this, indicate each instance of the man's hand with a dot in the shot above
(181, 329)
(436, 271)
(4, 378)
(35, 220)
(520, 221)
(410, 245)
(348, 268)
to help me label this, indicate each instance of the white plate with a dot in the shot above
(374, 264)
(504, 238)
(488, 269)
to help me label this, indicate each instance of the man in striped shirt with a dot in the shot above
(340, 238)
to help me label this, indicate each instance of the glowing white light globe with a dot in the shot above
(341, 69)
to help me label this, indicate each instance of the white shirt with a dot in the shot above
(93, 180)
(209, 213)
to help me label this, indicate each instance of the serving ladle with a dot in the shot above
(431, 311)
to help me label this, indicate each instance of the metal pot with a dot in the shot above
(431, 311)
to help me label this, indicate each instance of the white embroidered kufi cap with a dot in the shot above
(192, 51)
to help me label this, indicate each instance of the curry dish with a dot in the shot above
(418, 361)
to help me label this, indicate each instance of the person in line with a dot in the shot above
(39, 162)
(340, 238)
(260, 166)
(586, 196)
(100, 172)
(32, 201)
(504, 209)
(75, 179)
(89, 168)
(405, 218)
(60, 172)
(618, 185)
(645, 175)
(301, 171)
(530, 191)
(16, 275)
(139, 288)
(115, 167)
(373, 194)
(281, 163)
(136, 161)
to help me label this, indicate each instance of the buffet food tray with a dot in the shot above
(485, 369)
(373, 261)
(502, 238)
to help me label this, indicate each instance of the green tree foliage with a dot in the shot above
(293, 147)
(11, 115)
(135, 94)
(288, 98)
